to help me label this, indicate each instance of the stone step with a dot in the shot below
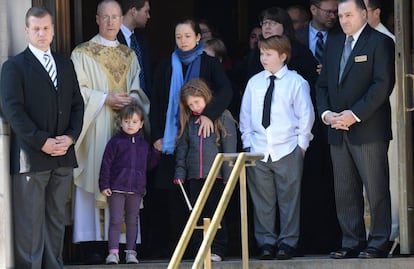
(308, 262)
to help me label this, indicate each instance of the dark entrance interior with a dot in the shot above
(232, 19)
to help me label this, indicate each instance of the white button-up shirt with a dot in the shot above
(291, 117)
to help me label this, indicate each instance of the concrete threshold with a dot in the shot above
(311, 262)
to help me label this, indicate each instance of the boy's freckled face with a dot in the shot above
(271, 60)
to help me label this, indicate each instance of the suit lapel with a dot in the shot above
(360, 44)
(38, 67)
(59, 69)
(338, 47)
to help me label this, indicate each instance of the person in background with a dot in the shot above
(108, 74)
(207, 30)
(353, 90)
(254, 36)
(136, 15)
(299, 15)
(122, 180)
(276, 21)
(42, 103)
(276, 119)
(215, 47)
(314, 36)
(195, 155)
(318, 191)
(374, 20)
(188, 61)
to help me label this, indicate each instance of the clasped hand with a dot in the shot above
(340, 121)
(57, 146)
(117, 100)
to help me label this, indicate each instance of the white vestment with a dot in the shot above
(102, 67)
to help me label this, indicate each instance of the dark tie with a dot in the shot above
(135, 46)
(50, 68)
(345, 55)
(268, 103)
(319, 47)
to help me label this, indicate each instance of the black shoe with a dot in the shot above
(344, 253)
(372, 253)
(285, 252)
(266, 252)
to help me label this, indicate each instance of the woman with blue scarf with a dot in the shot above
(188, 61)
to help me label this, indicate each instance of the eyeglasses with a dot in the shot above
(328, 12)
(113, 18)
(268, 23)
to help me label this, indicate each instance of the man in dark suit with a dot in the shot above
(353, 98)
(41, 101)
(136, 15)
(324, 17)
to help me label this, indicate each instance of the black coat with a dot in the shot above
(213, 74)
(366, 84)
(37, 111)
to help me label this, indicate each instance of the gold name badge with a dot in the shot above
(362, 58)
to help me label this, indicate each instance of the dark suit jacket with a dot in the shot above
(146, 59)
(36, 111)
(365, 87)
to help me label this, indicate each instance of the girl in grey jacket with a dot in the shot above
(195, 155)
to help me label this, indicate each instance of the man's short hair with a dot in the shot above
(128, 4)
(37, 12)
(359, 3)
(374, 4)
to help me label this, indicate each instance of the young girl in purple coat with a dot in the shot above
(122, 180)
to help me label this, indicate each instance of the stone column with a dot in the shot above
(12, 40)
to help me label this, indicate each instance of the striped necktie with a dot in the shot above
(50, 68)
(319, 47)
(135, 46)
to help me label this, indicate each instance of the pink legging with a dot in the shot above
(117, 203)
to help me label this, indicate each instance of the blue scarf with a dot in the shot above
(192, 59)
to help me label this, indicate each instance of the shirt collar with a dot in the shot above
(39, 53)
(279, 74)
(313, 31)
(109, 43)
(358, 33)
(126, 31)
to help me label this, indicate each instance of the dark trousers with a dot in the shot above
(219, 245)
(355, 167)
(39, 200)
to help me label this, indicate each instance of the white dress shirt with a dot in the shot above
(291, 117)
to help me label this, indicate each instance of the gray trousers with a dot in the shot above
(39, 200)
(272, 185)
(356, 166)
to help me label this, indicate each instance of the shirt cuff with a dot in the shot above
(355, 116)
(323, 116)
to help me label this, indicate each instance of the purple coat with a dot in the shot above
(125, 163)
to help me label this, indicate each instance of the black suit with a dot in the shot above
(146, 59)
(37, 111)
(359, 155)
